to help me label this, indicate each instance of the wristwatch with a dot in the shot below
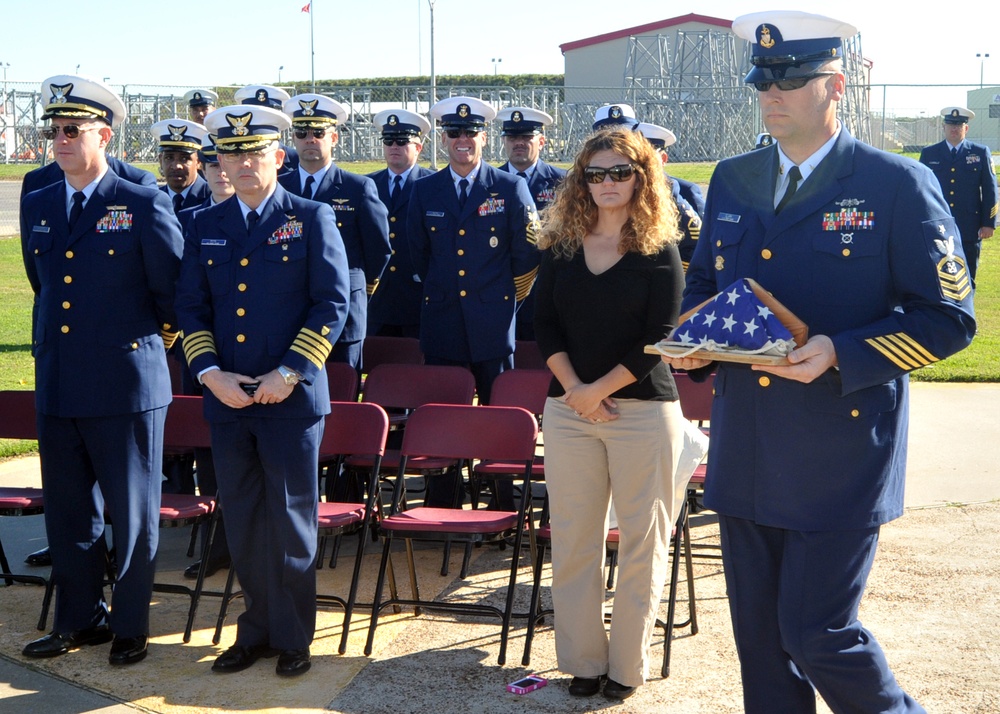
(291, 378)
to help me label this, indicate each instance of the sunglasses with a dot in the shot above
(303, 133)
(618, 174)
(71, 131)
(787, 85)
(455, 133)
(386, 141)
(240, 157)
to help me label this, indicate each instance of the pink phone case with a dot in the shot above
(536, 683)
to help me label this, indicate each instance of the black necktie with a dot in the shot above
(178, 202)
(308, 190)
(76, 210)
(794, 176)
(463, 193)
(251, 221)
(522, 175)
(397, 186)
(954, 152)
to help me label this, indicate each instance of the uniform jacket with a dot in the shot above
(476, 263)
(542, 183)
(196, 196)
(51, 173)
(867, 254)
(363, 224)
(690, 222)
(397, 299)
(969, 185)
(103, 293)
(279, 296)
(691, 193)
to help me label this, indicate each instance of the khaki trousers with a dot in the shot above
(634, 457)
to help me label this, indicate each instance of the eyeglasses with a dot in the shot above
(240, 157)
(71, 131)
(386, 141)
(455, 133)
(618, 174)
(787, 85)
(303, 133)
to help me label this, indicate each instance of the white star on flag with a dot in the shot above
(751, 327)
(710, 318)
(764, 311)
(727, 323)
(732, 297)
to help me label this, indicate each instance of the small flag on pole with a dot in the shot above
(305, 8)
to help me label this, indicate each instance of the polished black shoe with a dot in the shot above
(128, 650)
(585, 686)
(237, 658)
(59, 643)
(214, 566)
(292, 663)
(614, 690)
(40, 558)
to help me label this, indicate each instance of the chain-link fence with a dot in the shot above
(711, 124)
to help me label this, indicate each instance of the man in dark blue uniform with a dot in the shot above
(394, 308)
(262, 297)
(472, 232)
(200, 102)
(807, 460)
(179, 141)
(102, 256)
(361, 218)
(265, 95)
(523, 132)
(968, 182)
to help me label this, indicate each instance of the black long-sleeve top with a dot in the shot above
(604, 320)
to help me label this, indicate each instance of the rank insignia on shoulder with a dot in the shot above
(952, 273)
(491, 206)
(286, 232)
(116, 220)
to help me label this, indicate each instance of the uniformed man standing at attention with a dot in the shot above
(523, 132)
(361, 217)
(200, 103)
(968, 181)
(394, 309)
(102, 256)
(262, 298)
(472, 232)
(807, 460)
(179, 141)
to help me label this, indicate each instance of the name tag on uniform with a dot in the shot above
(39, 229)
(729, 217)
(435, 214)
(213, 241)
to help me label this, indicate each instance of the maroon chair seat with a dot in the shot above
(340, 515)
(182, 510)
(453, 520)
(21, 501)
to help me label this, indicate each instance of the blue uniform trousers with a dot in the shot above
(266, 469)
(793, 597)
(89, 466)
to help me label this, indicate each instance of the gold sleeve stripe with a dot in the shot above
(312, 346)
(169, 338)
(532, 233)
(993, 211)
(371, 287)
(902, 350)
(685, 265)
(523, 283)
(197, 344)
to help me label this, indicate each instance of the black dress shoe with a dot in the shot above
(128, 650)
(292, 663)
(614, 690)
(585, 686)
(239, 657)
(214, 566)
(59, 643)
(40, 558)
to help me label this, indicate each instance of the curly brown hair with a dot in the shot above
(653, 219)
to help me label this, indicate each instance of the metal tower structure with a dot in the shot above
(853, 109)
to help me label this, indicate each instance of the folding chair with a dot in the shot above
(343, 382)
(17, 421)
(378, 350)
(696, 403)
(528, 356)
(351, 428)
(459, 432)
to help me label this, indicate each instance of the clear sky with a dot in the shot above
(243, 41)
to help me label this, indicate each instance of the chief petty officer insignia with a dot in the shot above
(534, 226)
(308, 108)
(262, 96)
(953, 276)
(463, 110)
(516, 117)
(766, 41)
(615, 112)
(393, 120)
(239, 123)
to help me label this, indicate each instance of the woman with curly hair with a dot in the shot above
(610, 282)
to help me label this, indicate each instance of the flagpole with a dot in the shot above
(312, 46)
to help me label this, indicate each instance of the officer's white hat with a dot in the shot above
(763, 139)
(75, 97)
(957, 115)
(463, 112)
(522, 120)
(208, 154)
(659, 136)
(399, 122)
(263, 95)
(315, 110)
(246, 128)
(201, 98)
(178, 135)
(620, 115)
(788, 43)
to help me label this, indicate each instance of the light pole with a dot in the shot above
(279, 73)
(496, 61)
(433, 99)
(3, 108)
(983, 56)
(77, 69)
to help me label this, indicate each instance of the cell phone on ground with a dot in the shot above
(250, 388)
(528, 684)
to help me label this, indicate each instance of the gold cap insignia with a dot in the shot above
(177, 132)
(954, 112)
(196, 96)
(463, 110)
(59, 93)
(393, 120)
(615, 112)
(262, 96)
(239, 124)
(766, 41)
(308, 108)
(516, 117)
